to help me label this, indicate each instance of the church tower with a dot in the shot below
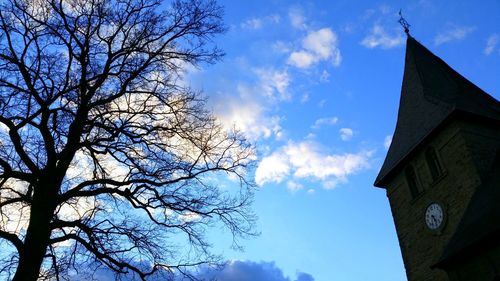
(442, 173)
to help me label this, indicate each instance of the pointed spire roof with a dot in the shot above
(431, 92)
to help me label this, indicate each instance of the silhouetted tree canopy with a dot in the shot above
(107, 158)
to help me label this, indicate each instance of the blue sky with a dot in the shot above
(316, 85)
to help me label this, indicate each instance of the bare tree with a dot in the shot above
(107, 158)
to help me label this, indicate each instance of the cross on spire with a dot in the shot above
(404, 23)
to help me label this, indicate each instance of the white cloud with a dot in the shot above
(293, 186)
(80, 166)
(346, 134)
(452, 33)
(310, 136)
(274, 18)
(320, 42)
(324, 76)
(378, 37)
(249, 270)
(189, 217)
(302, 59)
(78, 209)
(325, 121)
(253, 23)
(258, 23)
(249, 111)
(281, 47)
(387, 141)
(308, 160)
(273, 168)
(14, 217)
(273, 82)
(297, 19)
(246, 114)
(491, 43)
(319, 45)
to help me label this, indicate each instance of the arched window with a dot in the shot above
(411, 178)
(433, 163)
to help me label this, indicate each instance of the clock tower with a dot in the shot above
(442, 173)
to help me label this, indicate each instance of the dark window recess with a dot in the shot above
(435, 166)
(411, 178)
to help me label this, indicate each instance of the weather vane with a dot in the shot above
(404, 23)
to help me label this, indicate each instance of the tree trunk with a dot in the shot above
(36, 240)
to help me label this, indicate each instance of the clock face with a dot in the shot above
(434, 216)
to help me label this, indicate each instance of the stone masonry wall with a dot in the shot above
(464, 150)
